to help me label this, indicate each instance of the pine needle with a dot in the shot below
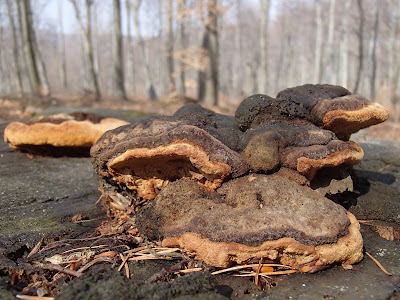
(187, 271)
(26, 297)
(248, 266)
(38, 245)
(267, 273)
(379, 264)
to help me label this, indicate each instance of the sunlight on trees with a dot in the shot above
(205, 49)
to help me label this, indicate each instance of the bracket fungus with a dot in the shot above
(252, 217)
(141, 159)
(327, 106)
(302, 147)
(233, 189)
(63, 134)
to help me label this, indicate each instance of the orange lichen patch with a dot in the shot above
(150, 169)
(69, 133)
(346, 251)
(345, 122)
(350, 156)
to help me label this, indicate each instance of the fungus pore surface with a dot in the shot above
(62, 134)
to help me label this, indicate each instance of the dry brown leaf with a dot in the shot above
(388, 232)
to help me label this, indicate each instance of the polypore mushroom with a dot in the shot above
(137, 161)
(327, 106)
(298, 145)
(62, 134)
(253, 217)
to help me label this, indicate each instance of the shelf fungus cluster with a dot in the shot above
(58, 135)
(236, 189)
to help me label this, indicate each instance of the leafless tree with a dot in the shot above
(360, 35)
(329, 73)
(343, 46)
(264, 18)
(61, 46)
(86, 32)
(129, 53)
(208, 85)
(37, 72)
(15, 47)
(149, 82)
(118, 74)
(318, 42)
(169, 44)
(375, 42)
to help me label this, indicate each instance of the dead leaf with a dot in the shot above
(388, 232)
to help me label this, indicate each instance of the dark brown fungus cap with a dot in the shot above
(62, 134)
(302, 147)
(335, 108)
(146, 156)
(251, 217)
(222, 127)
(330, 107)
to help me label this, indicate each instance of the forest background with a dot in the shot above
(215, 52)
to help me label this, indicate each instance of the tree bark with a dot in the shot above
(318, 42)
(360, 46)
(38, 84)
(264, 19)
(169, 45)
(15, 48)
(61, 47)
(375, 42)
(182, 46)
(237, 73)
(118, 74)
(88, 44)
(328, 71)
(129, 55)
(343, 47)
(208, 85)
(149, 83)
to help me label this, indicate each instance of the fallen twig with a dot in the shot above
(285, 272)
(187, 271)
(94, 261)
(379, 264)
(164, 272)
(62, 270)
(37, 247)
(248, 266)
(124, 259)
(84, 248)
(26, 297)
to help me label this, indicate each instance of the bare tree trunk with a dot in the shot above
(15, 48)
(208, 85)
(169, 45)
(149, 83)
(87, 34)
(318, 42)
(360, 46)
(343, 68)
(182, 45)
(130, 66)
(264, 18)
(237, 74)
(3, 84)
(375, 41)
(61, 47)
(328, 71)
(394, 68)
(118, 76)
(38, 85)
